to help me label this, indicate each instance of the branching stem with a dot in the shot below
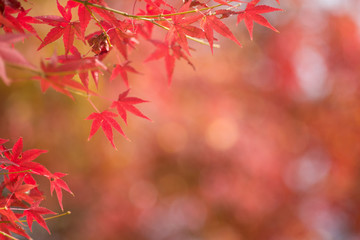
(125, 14)
(4, 173)
(151, 18)
(93, 105)
(7, 235)
(98, 22)
(48, 218)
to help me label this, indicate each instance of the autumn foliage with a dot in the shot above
(193, 20)
(254, 142)
(21, 196)
(91, 33)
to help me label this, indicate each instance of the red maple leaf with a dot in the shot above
(152, 8)
(9, 220)
(106, 15)
(35, 212)
(20, 22)
(60, 76)
(7, 227)
(252, 13)
(125, 103)
(83, 13)
(2, 141)
(181, 27)
(22, 161)
(210, 23)
(122, 69)
(62, 27)
(106, 120)
(24, 21)
(84, 65)
(18, 190)
(170, 54)
(8, 23)
(7, 213)
(57, 184)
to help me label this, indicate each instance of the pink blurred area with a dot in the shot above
(259, 142)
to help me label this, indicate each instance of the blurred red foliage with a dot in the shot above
(257, 143)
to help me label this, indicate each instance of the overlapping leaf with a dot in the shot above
(19, 23)
(59, 74)
(84, 65)
(35, 213)
(21, 188)
(8, 227)
(22, 161)
(170, 54)
(181, 27)
(18, 189)
(62, 27)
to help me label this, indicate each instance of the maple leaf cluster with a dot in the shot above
(118, 31)
(20, 196)
(71, 73)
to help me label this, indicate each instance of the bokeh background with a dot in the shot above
(259, 142)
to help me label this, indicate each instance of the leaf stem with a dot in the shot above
(6, 150)
(59, 215)
(3, 173)
(48, 218)
(125, 14)
(93, 105)
(23, 68)
(198, 40)
(7, 235)
(159, 17)
(66, 73)
(48, 73)
(77, 92)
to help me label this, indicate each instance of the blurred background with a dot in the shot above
(259, 142)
